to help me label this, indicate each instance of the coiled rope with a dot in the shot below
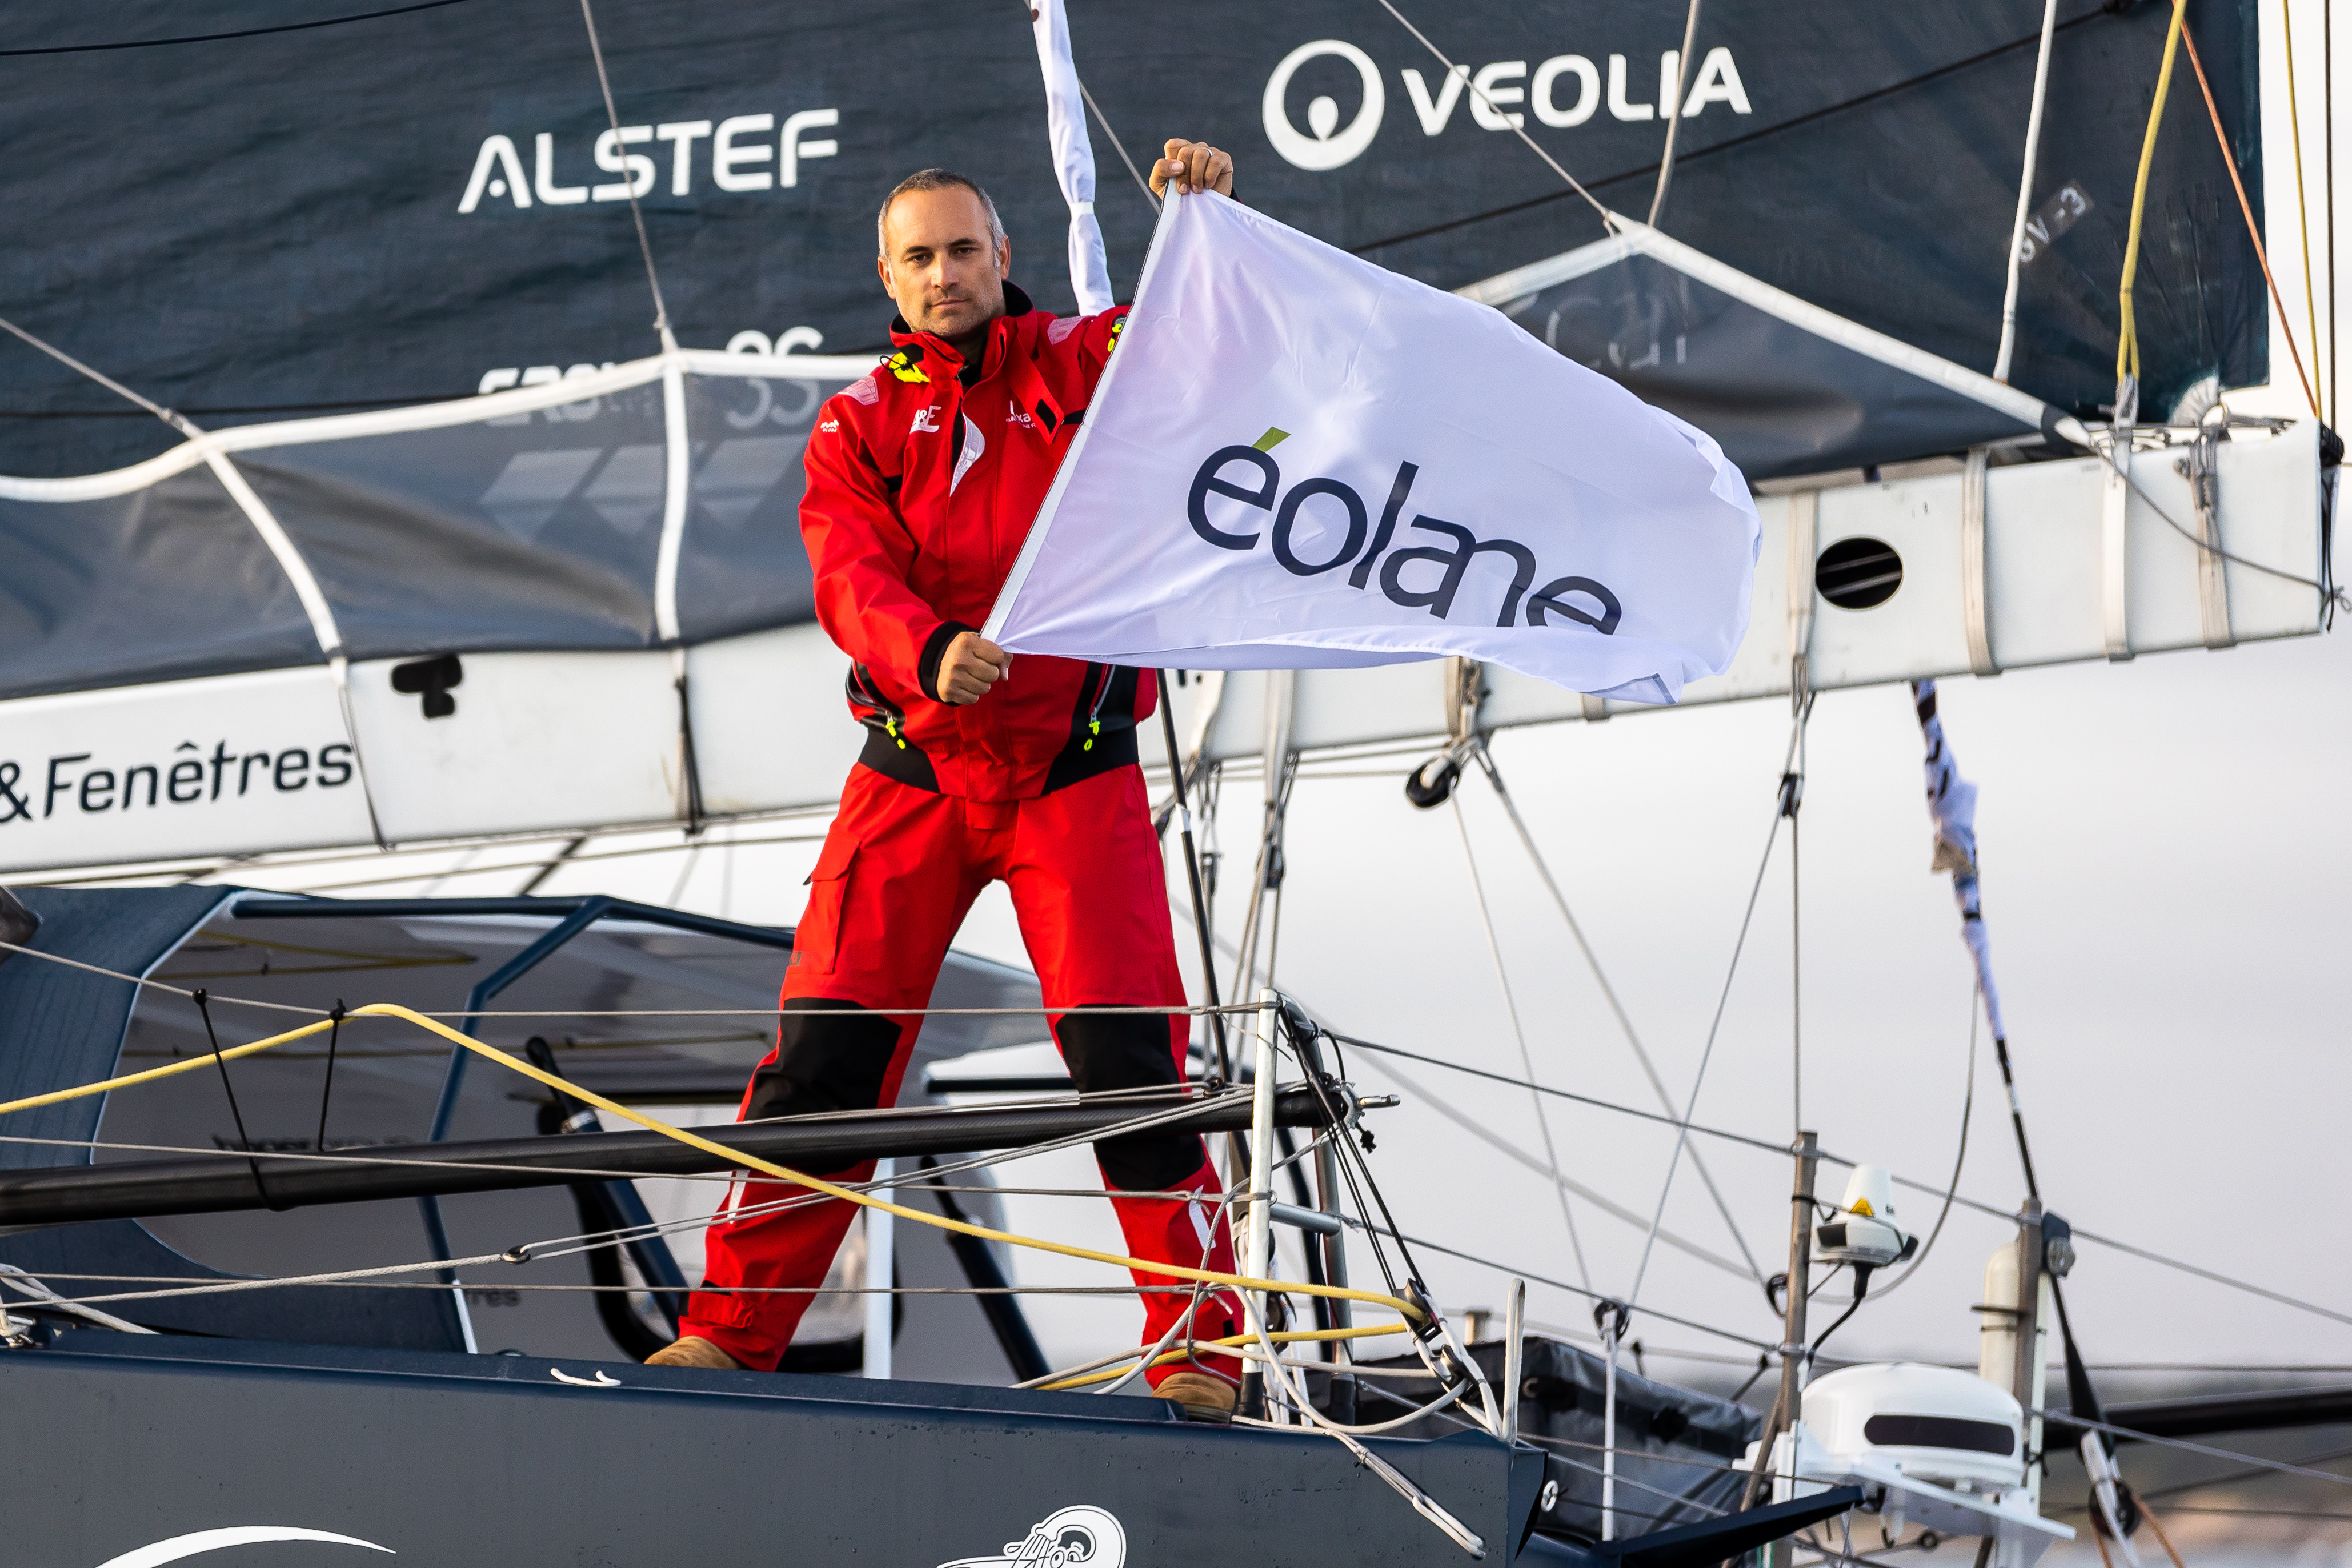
(733, 1157)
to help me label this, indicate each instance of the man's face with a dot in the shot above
(939, 265)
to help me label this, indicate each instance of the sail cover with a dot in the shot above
(655, 502)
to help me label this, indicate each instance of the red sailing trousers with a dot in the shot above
(899, 869)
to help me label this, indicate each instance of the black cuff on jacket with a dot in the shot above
(935, 653)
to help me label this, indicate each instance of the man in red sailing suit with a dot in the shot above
(923, 479)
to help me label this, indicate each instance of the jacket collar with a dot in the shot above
(926, 356)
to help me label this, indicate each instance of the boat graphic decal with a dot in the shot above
(202, 1540)
(1063, 1539)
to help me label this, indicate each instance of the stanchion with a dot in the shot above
(1260, 1238)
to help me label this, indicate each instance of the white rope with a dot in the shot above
(41, 1292)
(2024, 193)
(332, 1277)
(1519, 1034)
(1423, 1503)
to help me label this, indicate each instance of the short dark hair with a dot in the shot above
(936, 180)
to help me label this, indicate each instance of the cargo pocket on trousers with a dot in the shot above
(817, 938)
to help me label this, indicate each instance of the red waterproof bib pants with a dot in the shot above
(898, 871)
(922, 478)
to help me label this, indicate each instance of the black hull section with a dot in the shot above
(457, 1461)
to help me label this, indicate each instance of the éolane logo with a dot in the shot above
(1561, 92)
(1340, 530)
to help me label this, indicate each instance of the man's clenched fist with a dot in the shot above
(972, 665)
(1193, 166)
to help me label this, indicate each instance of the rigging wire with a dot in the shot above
(1422, 1094)
(2301, 206)
(1763, 1144)
(1698, 1080)
(2253, 230)
(1933, 1189)
(1675, 109)
(543, 869)
(1410, 1309)
(150, 983)
(1728, 144)
(2333, 595)
(1792, 796)
(242, 33)
(243, 1142)
(176, 421)
(737, 1158)
(44, 1296)
(1355, 1223)
(595, 1241)
(1967, 1106)
(1494, 773)
(637, 213)
(1121, 147)
(1608, 221)
(1519, 1035)
(640, 1288)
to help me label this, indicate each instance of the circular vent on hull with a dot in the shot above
(1858, 573)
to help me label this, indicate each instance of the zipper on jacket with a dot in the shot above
(1094, 713)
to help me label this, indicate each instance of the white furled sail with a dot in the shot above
(1074, 155)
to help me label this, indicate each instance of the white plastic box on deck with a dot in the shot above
(1928, 1446)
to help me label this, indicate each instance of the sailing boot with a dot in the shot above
(1203, 1397)
(693, 1352)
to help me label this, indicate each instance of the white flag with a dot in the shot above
(1298, 460)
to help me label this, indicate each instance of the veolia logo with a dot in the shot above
(1063, 1539)
(1560, 93)
(1323, 145)
(203, 1541)
(1309, 542)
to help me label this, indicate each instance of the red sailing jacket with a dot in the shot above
(923, 478)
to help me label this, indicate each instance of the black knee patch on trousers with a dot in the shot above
(830, 1056)
(1129, 1050)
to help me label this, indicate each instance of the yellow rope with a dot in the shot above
(1230, 1341)
(2302, 208)
(2128, 341)
(732, 1157)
